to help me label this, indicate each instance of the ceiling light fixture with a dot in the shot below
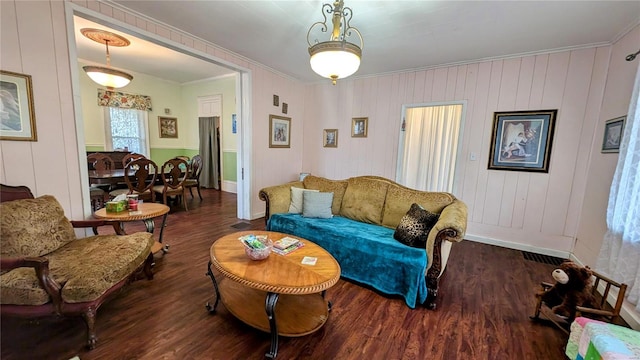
(336, 58)
(107, 76)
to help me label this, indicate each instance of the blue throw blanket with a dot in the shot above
(367, 253)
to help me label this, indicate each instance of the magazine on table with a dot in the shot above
(289, 249)
(285, 242)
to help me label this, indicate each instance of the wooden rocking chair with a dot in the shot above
(605, 312)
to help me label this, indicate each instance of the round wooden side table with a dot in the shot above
(146, 212)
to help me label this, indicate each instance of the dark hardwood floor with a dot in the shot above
(486, 296)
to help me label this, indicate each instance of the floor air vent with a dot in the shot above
(545, 259)
(241, 225)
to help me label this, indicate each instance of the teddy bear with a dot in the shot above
(572, 288)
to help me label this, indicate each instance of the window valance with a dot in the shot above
(123, 100)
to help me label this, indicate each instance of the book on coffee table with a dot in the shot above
(285, 242)
(289, 249)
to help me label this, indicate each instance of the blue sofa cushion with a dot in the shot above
(367, 253)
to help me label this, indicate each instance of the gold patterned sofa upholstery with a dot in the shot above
(380, 201)
(46, 270)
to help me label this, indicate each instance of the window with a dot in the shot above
(126, 129)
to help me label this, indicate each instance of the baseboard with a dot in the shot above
(258, 215)
(518, 246)
(230, 186)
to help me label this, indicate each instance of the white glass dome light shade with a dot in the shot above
(108, 77)
(335, 59)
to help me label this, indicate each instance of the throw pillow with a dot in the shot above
(414, 226)
(296, 199)
(317, 204)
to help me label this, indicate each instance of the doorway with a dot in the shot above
(209, 113)
(429, 146)
(243, 107)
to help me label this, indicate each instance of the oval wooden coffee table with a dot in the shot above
(251, 289)
(146, 212)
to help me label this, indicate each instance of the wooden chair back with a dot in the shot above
(174, 173)
(100, 162)
(10, 193)
(185, 158)
(141, 176)
(601, 281)
(196, 167)
(130, 157)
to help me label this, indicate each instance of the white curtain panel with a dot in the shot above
(620, 253)
(430, 147)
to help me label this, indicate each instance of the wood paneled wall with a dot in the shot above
(521, 209)
(34, 42)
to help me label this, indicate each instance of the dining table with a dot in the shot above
(108, 177)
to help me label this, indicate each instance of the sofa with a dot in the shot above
(359, 226)
(46, 270)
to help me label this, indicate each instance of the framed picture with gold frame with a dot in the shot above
(279, 131)
(330, 138)
(168, 127)
(359, 127)
(18, 120)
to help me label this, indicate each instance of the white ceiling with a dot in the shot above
(398, 35)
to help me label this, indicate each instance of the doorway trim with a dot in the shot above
(243, 107)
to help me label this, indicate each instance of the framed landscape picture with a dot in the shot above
(521, 140)
(613, 130)
(168, 127)
(279, 131)
(17, 117)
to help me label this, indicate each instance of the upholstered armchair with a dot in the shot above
(46, 270)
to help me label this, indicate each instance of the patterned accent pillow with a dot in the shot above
(317, 204)
(415, 225)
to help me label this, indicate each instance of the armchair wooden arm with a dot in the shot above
(94, 224)
(41, 266)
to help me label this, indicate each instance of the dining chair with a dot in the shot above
(183, 157)
(100, 162)
(194, 175)
(140, 177)
(131, 157)
(174, 173)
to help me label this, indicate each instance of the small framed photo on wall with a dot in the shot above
(330, 138)
(168, 127)
(359, 127)
(613, 130)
